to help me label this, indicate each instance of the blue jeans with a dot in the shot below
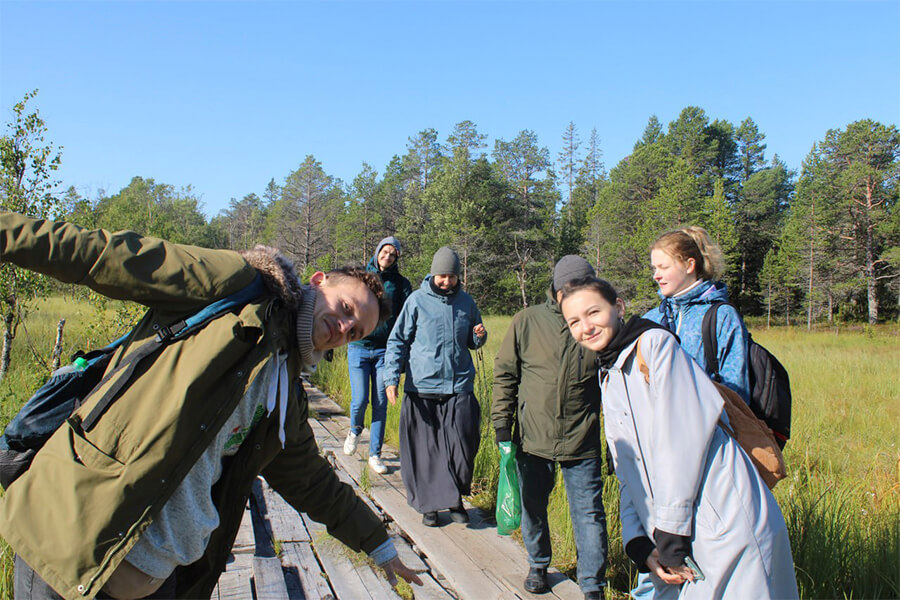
(584, 489)
(366, 369)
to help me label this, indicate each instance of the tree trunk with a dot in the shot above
(57, 347)
(809, 292)
(9, 335)
(870, 257)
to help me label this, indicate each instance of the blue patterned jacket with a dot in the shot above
(685, 318)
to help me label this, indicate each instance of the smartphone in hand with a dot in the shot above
(690, 564)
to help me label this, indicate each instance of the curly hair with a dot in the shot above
(371, 281)
(693, 242)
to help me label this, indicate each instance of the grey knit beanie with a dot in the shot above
(570, 268)
(445, 262)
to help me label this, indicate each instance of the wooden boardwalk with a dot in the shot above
(280, 554)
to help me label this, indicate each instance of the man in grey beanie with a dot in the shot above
(540, 363)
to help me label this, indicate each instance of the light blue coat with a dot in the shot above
(687, 311)
(678, 471)
(431, 341)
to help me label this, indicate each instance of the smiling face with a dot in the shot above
(346, 310)
(672, 275)
(386, 257)
(592, 320)
(445, 282)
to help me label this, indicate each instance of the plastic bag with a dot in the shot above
(509, 502)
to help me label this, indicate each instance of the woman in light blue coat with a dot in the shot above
(440, 420)
(695, 513)
(687, 266)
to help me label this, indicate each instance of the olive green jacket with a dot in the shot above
(88, 496)
(546, 386)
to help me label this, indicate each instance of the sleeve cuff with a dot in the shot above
(503, 434)
(384, 553)
(638, 550)
(672, 547)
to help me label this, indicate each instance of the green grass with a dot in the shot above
(841, 499)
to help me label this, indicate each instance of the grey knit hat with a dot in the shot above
(445, 262)
(570, 268)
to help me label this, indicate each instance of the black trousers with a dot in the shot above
(439, 438)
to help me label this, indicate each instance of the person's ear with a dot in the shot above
(620, 308)
(318, 278)
(690, 266)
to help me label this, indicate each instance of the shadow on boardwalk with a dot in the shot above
(279, 554)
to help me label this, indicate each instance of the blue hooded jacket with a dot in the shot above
(431, 341)
(685, 316)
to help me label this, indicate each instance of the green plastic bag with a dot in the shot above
(509, 503)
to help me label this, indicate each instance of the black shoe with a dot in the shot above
(430, 519)
(536, 582)
(593, 595)
(459, 515)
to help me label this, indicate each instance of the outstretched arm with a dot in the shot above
(123, 265)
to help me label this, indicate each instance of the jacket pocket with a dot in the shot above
(89, 455)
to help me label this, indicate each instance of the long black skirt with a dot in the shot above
(439, 437)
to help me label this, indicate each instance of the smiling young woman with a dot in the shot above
(695, 513)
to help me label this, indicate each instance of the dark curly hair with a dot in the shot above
(372, 281)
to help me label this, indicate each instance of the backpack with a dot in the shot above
(750, 432)
(68, 387)
(770, 386)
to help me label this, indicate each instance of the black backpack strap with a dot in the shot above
(164, 335)
(710, 343)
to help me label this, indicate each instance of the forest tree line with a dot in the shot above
(819, 245)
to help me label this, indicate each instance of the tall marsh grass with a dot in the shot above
(841, 499)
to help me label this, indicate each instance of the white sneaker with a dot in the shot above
(350, 443)
(376, 465)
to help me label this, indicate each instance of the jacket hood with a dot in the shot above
(426, 286)
(372, 265)
(277, 272)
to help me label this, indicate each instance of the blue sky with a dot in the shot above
(224, 96)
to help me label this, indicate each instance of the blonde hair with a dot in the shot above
(693, 242)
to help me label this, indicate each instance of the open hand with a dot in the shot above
(396, 567)
(391, 393)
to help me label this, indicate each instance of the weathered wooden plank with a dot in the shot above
(342, 574)
(454, 562)
(284, 522)
(321, 403)
(299, 558)
(245, 542)
(234, 583)
(268, 578)
(502, 560)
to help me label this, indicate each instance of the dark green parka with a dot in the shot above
(546, 394)
(88, 496)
